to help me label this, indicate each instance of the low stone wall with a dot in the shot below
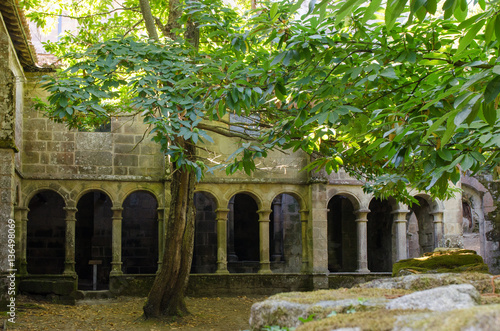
(57, 289)
(348, 280)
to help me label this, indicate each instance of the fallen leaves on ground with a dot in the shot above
(125, 313)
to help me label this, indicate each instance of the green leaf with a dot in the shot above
(346, 9)
(370, 10)
(492, 89)
(489, 113)
(490, 28)
(497, 27)
(274, 10)
(431, 6)
(471, 34)
(278, 58)
(393, 11)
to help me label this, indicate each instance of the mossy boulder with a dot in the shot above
(442, 261)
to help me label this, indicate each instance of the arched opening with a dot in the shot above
(93, 240)
(243, 235)
(379, 241)
(205, 235)
(140, 233)
(471, 226)
(285, 234)
(420, 229)
(46, 233)
(342, 245)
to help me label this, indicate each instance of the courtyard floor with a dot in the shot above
(124, 313)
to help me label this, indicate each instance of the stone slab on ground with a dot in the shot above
(439, 299)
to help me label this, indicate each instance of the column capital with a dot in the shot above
(70, 214)
(304, 214)
(221, 213)
(361, 213)
(22, 209)
(264, 214)
(438, 216)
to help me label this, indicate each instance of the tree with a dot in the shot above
(403, 94)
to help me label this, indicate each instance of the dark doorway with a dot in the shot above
(342, 236)
(140, 234)
(205, 235)
(46, 233)
(93, 240)
(243, 234)
(380, 236)
(285, 234)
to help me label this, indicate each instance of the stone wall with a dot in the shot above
(53, 151)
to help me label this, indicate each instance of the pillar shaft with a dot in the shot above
(278, 231)
(161, 236)
(400, 223)
(222, 214)
(116, 263)
(362, 240)
(438, 228)
(69, 260)
(305, 258)
(21, 217)
(265, 264)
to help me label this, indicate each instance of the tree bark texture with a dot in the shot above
(166, 297)
(148, 19)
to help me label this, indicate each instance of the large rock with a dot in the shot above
(478, 318)
(417, 282)
(442, 261)
(439, 299)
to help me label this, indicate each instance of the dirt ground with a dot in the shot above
(124, 313)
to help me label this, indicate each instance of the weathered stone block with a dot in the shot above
(135, 171)
(146, 161)
(121, 171)
(126, 149)
(59, 146)
(67, 170)
(29, 135)
(125, 160)
(104, 170)
(124, 139)
(84, 158)
(36, 124)
(87, 170)
(35, 146)
(44, 135)
(62, 158)
(33, 169)
(63, 136)
(93, 141)
(31, 157)
(148, 149)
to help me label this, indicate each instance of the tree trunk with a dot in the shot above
(166, 297)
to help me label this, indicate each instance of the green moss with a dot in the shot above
(338, 294)
(460, 260)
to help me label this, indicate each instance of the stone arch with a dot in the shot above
(478, 229)
(254, 195)
(342, 233)
(352, 197)
(95, 187)
(380, 235)
(213, 196)
(140, 232)
(141, 188)
(243, 233)
(46, 232)
(420, 228)
(205, 236)
(285, 232)
(28, 192)
(93, 238)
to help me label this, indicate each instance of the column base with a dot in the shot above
(363, 271)
(222, 272)
(265, 268)
(116, 269)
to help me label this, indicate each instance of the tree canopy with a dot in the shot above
(400, 94)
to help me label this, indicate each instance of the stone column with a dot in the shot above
(265, 264)
(232, 257)
(438, 228)
(318, 225)
(305, 242)
(400, 223)
(69, 260)
(222, 214)
(278, 231)
(161, 236)
(21, 216)
(116, 263)
(362, 240)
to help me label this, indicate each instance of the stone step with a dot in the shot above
(94, 295)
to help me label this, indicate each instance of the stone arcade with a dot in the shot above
(85, 201)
